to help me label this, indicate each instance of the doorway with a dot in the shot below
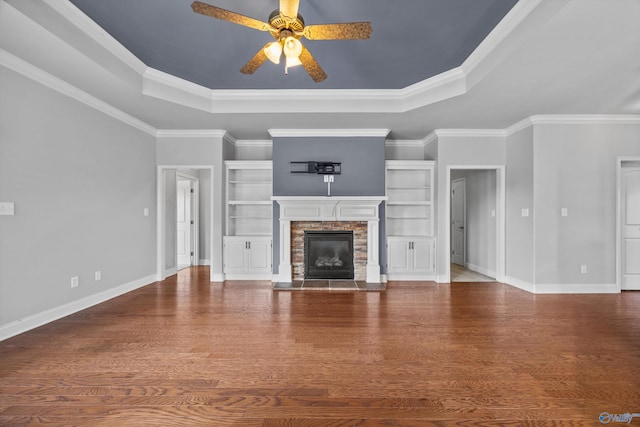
(166, 225)
(187, 224)
(475, 235)
(628, 224)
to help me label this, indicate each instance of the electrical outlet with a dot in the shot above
(145, 211)
(525, 212)
(75, 281)
(583, 269)
(98, 275)
(564, 212)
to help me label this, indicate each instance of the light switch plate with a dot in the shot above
(7, 208)
(525, 212)
(564, 212)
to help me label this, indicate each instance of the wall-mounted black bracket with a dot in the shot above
(319, 168)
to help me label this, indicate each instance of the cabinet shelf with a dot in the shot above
(407, 203)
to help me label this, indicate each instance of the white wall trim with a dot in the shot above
(404, 143)
(309, 133)
(38, 75)
(253, 143)
(576, 288)
(191, 133)
(568, 119)
(411, 277)
(204, 262)
(473, 133)
(520, 284)
(25, 324)
(501, 190)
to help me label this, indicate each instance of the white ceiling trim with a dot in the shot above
(311, 133)
(191, 133)
(38, 75)
(475, 133)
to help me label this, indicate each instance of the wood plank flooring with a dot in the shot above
(185, 352)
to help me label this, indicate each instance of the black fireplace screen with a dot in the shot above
(328, 255)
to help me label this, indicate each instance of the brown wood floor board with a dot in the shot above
(187, 352)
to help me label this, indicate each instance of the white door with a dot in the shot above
(183, 243)
(630, 221)
(458, 218)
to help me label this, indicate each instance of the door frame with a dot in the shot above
(161, 192)
(464, 222)
(500, 218)
(195, 217)
(619, 163)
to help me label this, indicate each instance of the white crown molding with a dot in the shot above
(404, 143)
(38, 75)
(253, 143)
(311, 133)
(473, 133)
(191, 133)
(568, 119)
(78, 18)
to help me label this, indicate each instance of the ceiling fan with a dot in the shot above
(287, 27)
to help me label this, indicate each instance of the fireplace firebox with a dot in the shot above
(328, 255)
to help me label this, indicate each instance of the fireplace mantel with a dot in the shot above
(329, 208)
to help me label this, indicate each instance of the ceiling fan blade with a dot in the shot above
(226, 15)
(289, 8)
(345, 31)
(254, 63)
(311, 65)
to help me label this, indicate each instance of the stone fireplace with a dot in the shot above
(357, 215)
(328, 254)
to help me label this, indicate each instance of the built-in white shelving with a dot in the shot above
(247, 242)
(409, 219)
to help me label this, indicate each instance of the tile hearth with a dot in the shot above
(329, 285)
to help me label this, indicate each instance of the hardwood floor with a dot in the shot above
(184, 352)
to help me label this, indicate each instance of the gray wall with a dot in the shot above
(575, 168)
(363, 174)
(519, 236)
(80, 181)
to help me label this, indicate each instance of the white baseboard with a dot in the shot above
(441, 278)
(577, 288)
(520, 284)
(412, 277)
(384, 278)
(170, 272)
(204, 262)
(217, 277)
(564, 288)
(481, 270)
(23, 325)
(262, 276)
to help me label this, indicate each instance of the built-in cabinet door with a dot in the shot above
(410, 255)
(259, 253)
(423, 256)
(244, 255)
(398, 257)
(234, 255)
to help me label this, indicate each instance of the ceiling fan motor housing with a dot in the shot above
(279, 22)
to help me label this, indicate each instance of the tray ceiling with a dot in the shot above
(412, 40)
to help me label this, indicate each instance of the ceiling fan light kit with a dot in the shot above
(288, 27)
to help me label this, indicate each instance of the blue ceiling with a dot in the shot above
(411, 41)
